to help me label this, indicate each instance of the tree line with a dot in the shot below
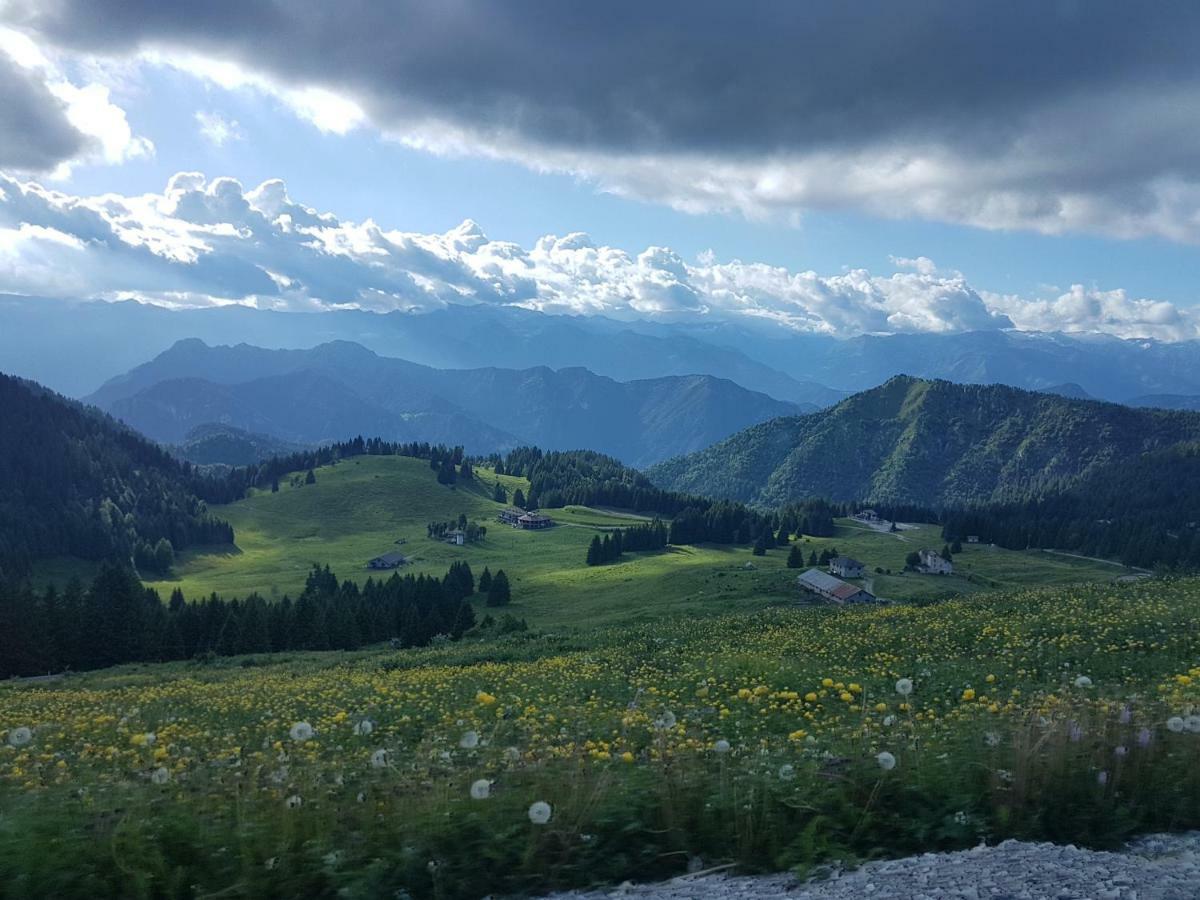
(651, 536)
(117, 620)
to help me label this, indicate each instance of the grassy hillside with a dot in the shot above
(772, 739)
(360, 507)
(931, 443)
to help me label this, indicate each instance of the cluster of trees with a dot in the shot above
(473, 531)
(446, 471)
(592, 479)
(75, 482)
(117, 620)
(651, 536)
(496, 587)
(1143, 513)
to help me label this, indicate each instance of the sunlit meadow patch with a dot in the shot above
(773, 739)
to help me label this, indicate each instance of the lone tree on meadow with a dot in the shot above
(795, 558)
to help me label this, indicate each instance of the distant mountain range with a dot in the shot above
(931, 443)
(56, 343)
(341, 389)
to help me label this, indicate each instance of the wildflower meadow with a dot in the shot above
(784, 738)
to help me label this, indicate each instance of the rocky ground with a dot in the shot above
(1162, 867)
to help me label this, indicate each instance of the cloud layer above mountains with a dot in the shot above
(1053, 116)
(204, 242)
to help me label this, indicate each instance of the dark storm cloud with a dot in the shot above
(678, 76)
(1052, 115)
(34, 132)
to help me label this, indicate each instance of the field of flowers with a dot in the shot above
(784, 738)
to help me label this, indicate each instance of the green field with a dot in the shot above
(509, 766)
(360, 507)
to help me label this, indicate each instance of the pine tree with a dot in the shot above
(485, 580)
(595, 552)
(795, 559)
(519, 499)
(311, 477)
(464, 621)
(760, 545)
(498, 593)
(499, 494)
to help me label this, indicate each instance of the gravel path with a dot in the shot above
(1163, 867)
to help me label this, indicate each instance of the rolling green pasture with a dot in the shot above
(360, 507)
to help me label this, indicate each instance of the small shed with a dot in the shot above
(388, 561)
(534, 520)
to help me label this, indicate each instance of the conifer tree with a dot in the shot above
(498, 593)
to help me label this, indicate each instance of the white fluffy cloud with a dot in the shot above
(216, 129)
(209, 241)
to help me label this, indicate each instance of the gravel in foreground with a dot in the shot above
(1162, 867)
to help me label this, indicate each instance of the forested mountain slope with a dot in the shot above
(933, 443)
(75, 482)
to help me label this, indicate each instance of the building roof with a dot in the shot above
(845, 591)
(821, 581)
(534, 516)
(847, 561)
(391, 559)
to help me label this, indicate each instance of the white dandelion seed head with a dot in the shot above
(992, 739)
(1102, 777)
(540, 812)
(469, 740)
(889, 721)
(904, 687)
(1192, 724)
(379, 759)
(150, 738)
(1175, 724)
(787, 772)
(721, 746)
(481, 789)
(1144, 737)
(512, 754)
(301, 732)
(364, 727)
(280, 775)
(1126, 715)
(19, 736)
(1083, 682)
(362, 797)
(161, 775)
(294, 802)
(886, 761)
(1121, 750)
(665, 720)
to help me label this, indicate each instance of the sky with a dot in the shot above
(874, 167)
